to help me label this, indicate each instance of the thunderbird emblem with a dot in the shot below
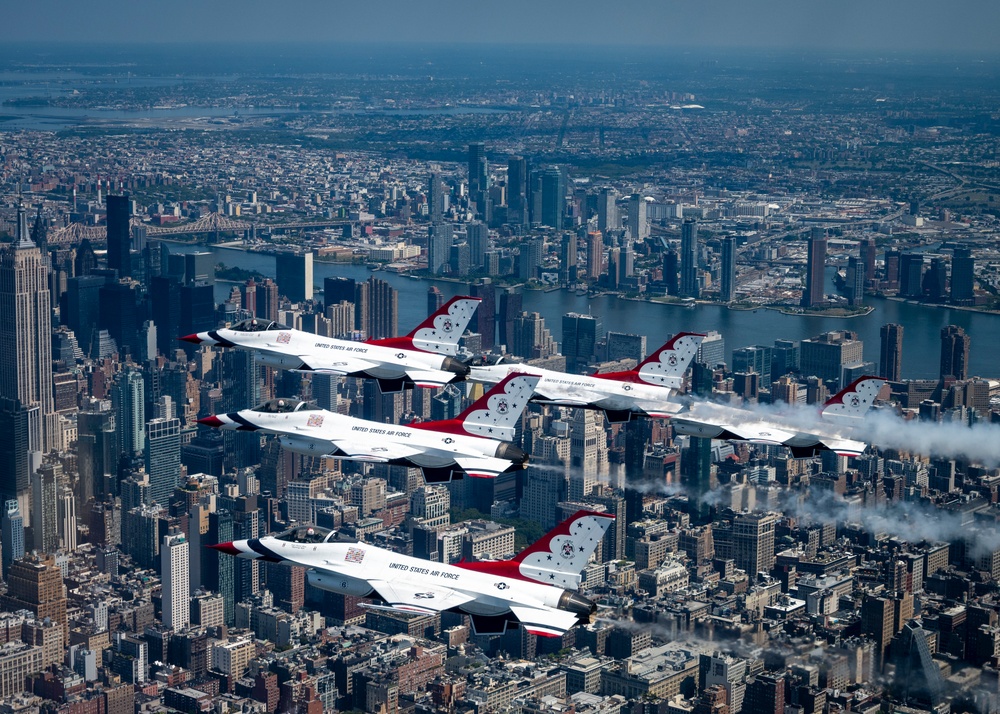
(447, 325)
(672, 360)
(502, 406)
(567, 550)
(855, 401)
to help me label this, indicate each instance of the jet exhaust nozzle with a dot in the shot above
(515, 454)
(456, 367)
(580, 606)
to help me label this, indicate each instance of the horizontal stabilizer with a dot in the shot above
(482, 466)
(431, 378)
(544, 621)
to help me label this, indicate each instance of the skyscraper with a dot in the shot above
(478, 236)
(517, 184)
(755, 359)
(891, 356)
(696, 476)
(568, 260)
(128, 399)
(689, 286)
(435, 197)
(530, 258)
(82, 307)
(595, 255)
(638, 226)
(382, 318)
(868, 255)
(478, 169)
(267, 300)
(588, 452)
(163, 458)
(911, 271)
(294, 273)
(44, 509)
(753, 541)
(955, 345)
(607, 211)
(671, 261)
(510, 310)
(485, 322)
(175, 576)
(580, 335)
(963, 269)
(855, 282)
(727, 290)
(814, 293)
(119, 234)
(26, 338)
(435, 299)
(440, 236)
(12, 534)
(553, 197)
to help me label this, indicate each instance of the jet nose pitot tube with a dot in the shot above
(580, 606)
(453, 365)
(514, 454)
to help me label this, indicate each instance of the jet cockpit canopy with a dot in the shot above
(256, 324)
(285, 406)
(314, 534)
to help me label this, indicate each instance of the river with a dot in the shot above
(740, 328)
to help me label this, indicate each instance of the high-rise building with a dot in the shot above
(517, 194)
(119, 234)
(26, 338)
(671, 263)
(588, 452)
(854, 284)
(727, 290)
(753, 541)
(478, 169)
(45, 508)
(510, 310)
(530, 259)
(175, 576)
(891, 356)
(696, 476)
(826, 355)
(435, 299)
(568, 260)
(381, 320)
(440, 236)
(485, 323)
(689, 283)
(338, 290)
(35, 583)
(267, 300)
(963, 272)
(82, 307)
(712, 350)
(638, 225)
(11, 535)
(435, 197)
(163, 458)
(607, 211)
(478, 236)
(955, 345)
(294, 273)
(814, 294)
(911, 272)
(595, 255)
(129, 401)
(621, 345)
(553, 197)
(580, 336)
(727, 671)
(765, 695)
(868, 255)
(754, 359)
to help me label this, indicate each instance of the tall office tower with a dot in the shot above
(530, 259)
(765, 694)
(17, 459)
(478, 169)
(246, 524)
(588, 452)
(82, 307)
(825, 356)
(11, 534)
(638, 225)
(689, 285)
(595, 255)
(638, 433)
(621, 345)
(44, 508)
(338, 290)
(543, 490)
(854, 284)
(486, 318)
(628, 259)
(553, 197)
(119, 235)
(248, 295)
(510, 310)
(382, 319)
(440, 236)
(163, 458)
(815, 270)
(217, 569)
(753, 541)
(288, 586)
(175, 576)
(868, 255)
(460, 259)
(435, 299)
(267, 300)
(754, 359)
(66, 519)
(891, 356)
(696, 477)
(784, 358)
(918, 676)
(294, 273)
(911, 275)
(35, 583)
(435, 197)
(614, 276)
(955, 345)
(580, 336)
(712, 351)
(517, 191)
(671, 262)
(727, 671)
(26, 338)
(119, 314)
(607, 211)
(165, 310)
(478, 235)
(935, 281)
(531, 338)
(727, 291)
(963, 270)
(129, 401)
(241, 389)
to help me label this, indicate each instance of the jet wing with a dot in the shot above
(378, 452)
(430, 377)
(544, 621)
(341, 366)
(482, 466)
(425, 599)
(759, 433)
(844, 447)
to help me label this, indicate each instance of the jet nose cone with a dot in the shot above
(228, 548)
(192, 338)
(212, 421)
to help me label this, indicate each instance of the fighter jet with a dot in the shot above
(642, 391)
(839, 421)
(423, 358)
(476, 443)
(535, 590)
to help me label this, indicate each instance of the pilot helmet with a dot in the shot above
(310, 532)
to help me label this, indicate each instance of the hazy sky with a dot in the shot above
(917, 25)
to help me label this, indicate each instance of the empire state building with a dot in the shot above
(26, 343)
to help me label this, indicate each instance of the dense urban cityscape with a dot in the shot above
(812, 222)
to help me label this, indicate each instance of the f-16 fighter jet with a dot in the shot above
(536, 590)
(423, 358)
(839, 420)
(476, 443)
(642, 391)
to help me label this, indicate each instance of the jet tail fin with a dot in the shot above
(495, 414)
(665, 367)
(441, 331)
(854, 400)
